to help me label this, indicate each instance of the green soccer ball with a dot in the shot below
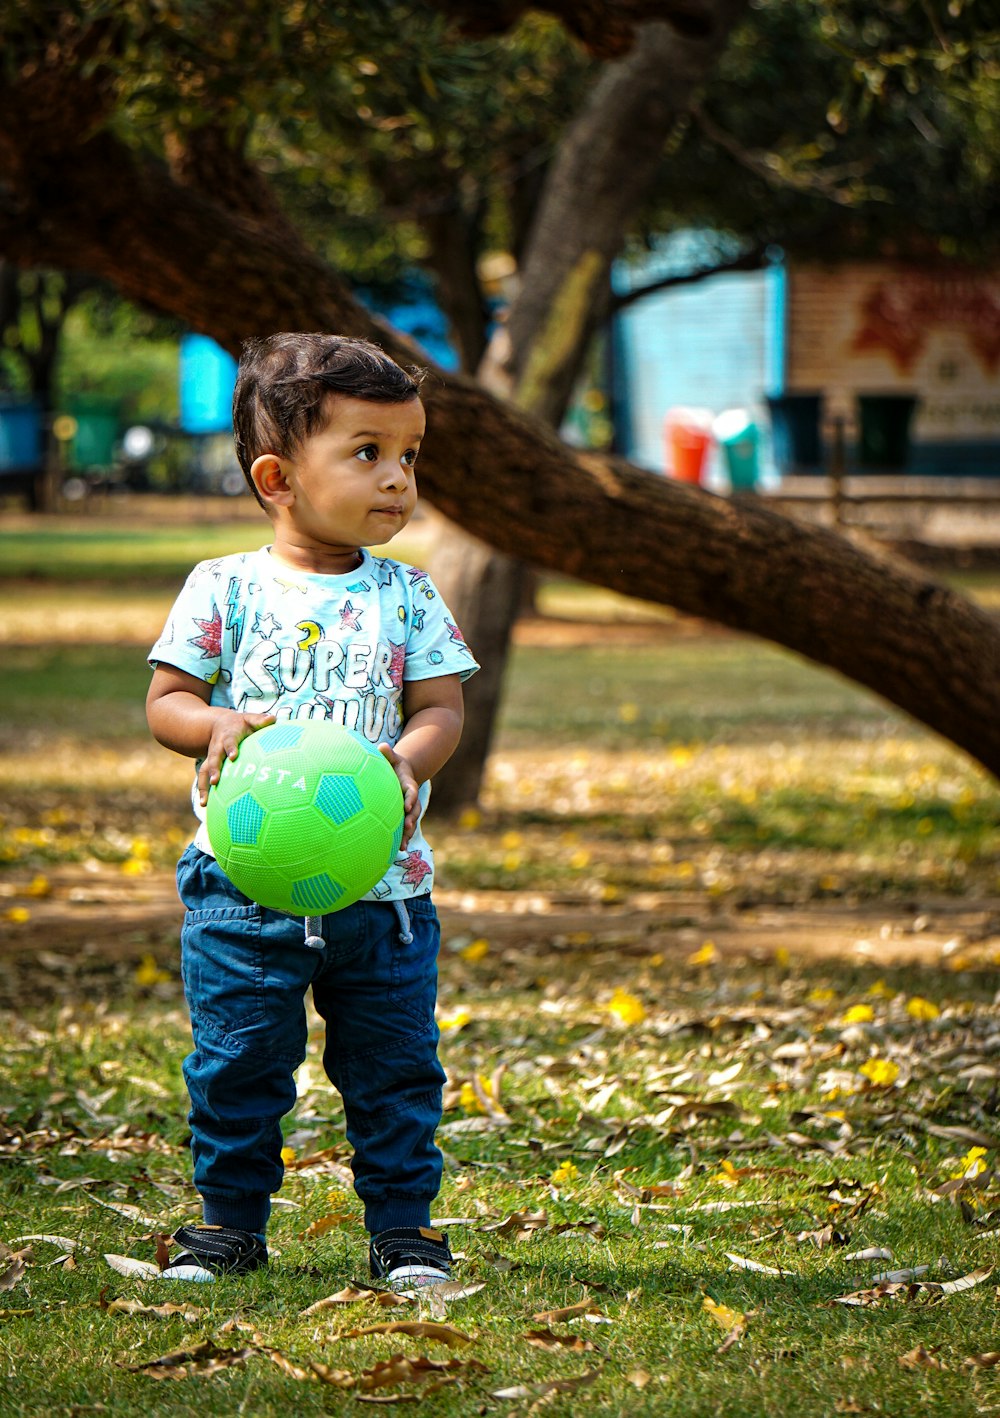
(307, 818)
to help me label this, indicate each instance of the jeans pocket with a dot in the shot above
(222, 961)
(414, 964)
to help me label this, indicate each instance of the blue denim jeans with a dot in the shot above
(246, 971)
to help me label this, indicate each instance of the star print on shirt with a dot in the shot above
(455, 634)
(266, 626)
(418, 619)
(350, 619)
(382, 571)
(209, 642)
(416, 868)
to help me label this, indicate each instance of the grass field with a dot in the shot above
(708, 1151)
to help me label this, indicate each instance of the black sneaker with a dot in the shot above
(208, 1251)
(410, 1256)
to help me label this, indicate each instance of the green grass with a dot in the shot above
(154, 542)
(596, 1111)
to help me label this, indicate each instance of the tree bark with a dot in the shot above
(603, 170)
(87, 202)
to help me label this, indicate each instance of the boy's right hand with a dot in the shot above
(230, 729)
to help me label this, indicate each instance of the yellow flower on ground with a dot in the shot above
(288, 1155)
(39, 886)
(470, 1099)
(457, 1019)
(782, 957)
(821, 996)
(705, 955)
(972, 1163)
(565, 1172)
(470, 819)
(17, 915)
(148, 973)
(726, 1175)
(475, 950)
(923, 1009)
(626, 1008)
(880, 990)
(135, 866)
(722, 1314)
(880, 1073)
(859, 1014)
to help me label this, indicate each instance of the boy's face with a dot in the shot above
(353, 482)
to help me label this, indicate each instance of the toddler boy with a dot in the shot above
(327, 432)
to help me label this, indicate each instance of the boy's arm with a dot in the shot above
(180, 717)
(434, 714)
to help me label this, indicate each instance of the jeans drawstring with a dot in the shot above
(314, 928)
(405, 934)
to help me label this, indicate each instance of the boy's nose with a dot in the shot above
(394, 475)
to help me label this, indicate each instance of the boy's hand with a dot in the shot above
(230, 729)
(409, 785)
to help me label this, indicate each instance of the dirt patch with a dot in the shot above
(95, 927)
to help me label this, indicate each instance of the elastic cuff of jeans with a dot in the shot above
(388, 1212)
(243, 1213)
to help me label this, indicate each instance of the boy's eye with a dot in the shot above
(409, 457)
(369, 453)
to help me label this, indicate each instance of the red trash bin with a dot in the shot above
(688, 438)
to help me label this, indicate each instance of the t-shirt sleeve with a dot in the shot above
(434, 644)
(191, 640)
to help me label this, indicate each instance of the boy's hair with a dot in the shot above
(284, 382)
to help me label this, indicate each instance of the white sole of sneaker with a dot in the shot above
(408, 1276)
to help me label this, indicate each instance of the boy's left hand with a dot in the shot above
(408, 783)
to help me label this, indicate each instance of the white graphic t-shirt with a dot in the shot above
(273, 640)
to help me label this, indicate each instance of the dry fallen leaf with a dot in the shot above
(966, 1282)
(921, 1358)
(400, 1369)
(418, 1329)
(541, 1390)
(567, 1312)
(12, 1274)
(134, 1269)
(742, 1263)
(326, 1223)
(983, 1361)
(519, 1224)
(201, 1360)
(352, 1295)
(548, 1339)
(188, 1312)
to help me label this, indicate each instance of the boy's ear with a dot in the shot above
(269, 480)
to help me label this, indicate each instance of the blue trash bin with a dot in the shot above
(22, 447)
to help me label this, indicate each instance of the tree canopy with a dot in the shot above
(127, 149)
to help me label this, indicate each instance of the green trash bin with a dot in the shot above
(739, 438)
(94, 444)
(884, 431)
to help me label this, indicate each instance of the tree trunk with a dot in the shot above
(452, 239)
(78, 199)
(603, 170)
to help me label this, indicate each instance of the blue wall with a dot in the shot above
(716, 344)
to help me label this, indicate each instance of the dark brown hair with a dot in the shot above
(284, 382)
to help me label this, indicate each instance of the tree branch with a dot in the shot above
(755, 260)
